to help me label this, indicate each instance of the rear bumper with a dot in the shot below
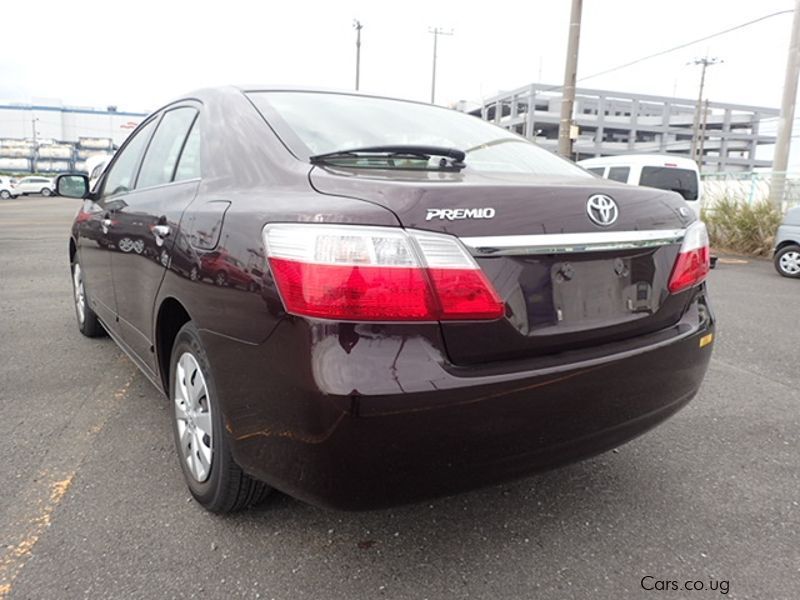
(353, 417)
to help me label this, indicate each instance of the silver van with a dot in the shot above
(787, 245)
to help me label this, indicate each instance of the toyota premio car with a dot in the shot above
(423, 302)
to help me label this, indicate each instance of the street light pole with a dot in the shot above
(436, 31)
(570, 73)
(705, 62)
(358, 27)
(786, 119)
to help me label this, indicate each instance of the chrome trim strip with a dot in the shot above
(557, 243)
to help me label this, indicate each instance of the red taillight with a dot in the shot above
(352, 293)
(694, 260)
(355, 273)
(465, 294)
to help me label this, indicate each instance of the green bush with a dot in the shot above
(740, 227)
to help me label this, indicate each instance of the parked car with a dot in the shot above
(787, 245)
(663, 171)
(35, 185)
(223, 269)
(8, 188)
(442, 305)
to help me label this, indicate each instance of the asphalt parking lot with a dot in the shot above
(92, 504)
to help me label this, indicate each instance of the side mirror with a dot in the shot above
(73, 185)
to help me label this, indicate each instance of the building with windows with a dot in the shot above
(610, 123)
(46, 138)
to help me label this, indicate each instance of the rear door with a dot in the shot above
(150, 221)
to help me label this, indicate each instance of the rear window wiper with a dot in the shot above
(452, 159)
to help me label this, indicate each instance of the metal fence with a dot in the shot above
(752, 188)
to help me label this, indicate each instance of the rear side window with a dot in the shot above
(120, 178)
(683, 181)
(162, 155)
(619, 174)
(189, 163)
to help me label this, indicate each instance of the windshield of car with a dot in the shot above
(327, 122)
(683, 181)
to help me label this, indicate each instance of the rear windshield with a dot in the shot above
(326, 122)
(683, 181)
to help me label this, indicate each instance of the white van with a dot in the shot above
(95, 165)
(663, 171)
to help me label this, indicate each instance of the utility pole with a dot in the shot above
(705, 62)
(33, 123)
(436, 31)
(570, 72)
(358, 27)
(701, 150)
(781, 161)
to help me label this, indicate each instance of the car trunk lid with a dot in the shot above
(567, 281)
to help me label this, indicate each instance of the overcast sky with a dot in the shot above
(139, 55)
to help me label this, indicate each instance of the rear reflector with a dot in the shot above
(356, 273)
(694, 260)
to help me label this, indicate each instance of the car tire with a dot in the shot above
(201, 440)
(194, 274)
(125, 245)
(221, 279)
(787, 261)
(88, 323)
(5, 194)
(46, 192)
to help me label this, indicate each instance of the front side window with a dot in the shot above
(123, 172)
(597, 170)
(162, 154)
(683, 181)
(326, 122)
(619, 174)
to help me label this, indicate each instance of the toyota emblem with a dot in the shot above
(602, 210)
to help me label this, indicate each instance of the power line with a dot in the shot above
(687, 44)
(675, 48)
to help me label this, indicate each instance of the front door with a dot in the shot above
(149, 224)
(94, 252)
(98, 227)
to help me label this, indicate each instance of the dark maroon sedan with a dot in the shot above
(424, 302)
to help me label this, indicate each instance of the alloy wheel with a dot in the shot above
(193, 416)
